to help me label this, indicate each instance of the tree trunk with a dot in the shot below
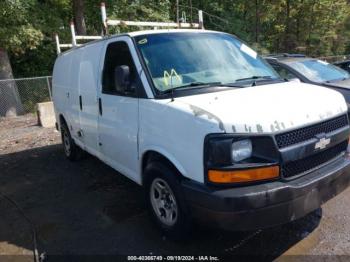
(79, 21)
(310, 27)
(287, 41)
(257, 21)
(299, 18)
(10, 102)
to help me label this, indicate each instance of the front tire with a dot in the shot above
(165, 201)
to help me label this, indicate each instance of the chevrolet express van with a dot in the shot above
(205, 125)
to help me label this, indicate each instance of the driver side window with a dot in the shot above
(118, 54)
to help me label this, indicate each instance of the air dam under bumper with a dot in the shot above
(269, 204)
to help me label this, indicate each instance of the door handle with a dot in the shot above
(100, 106)
(81, 103)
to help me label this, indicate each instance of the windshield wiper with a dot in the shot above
(192, 85)
(233, 85)
(253, 78)
(198, 85)
(258, 79)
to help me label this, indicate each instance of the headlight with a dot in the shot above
(232, 159)
(241, 150)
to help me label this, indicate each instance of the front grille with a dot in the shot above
(309, 132)
(307, 164)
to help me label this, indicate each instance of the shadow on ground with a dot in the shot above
(87, 208)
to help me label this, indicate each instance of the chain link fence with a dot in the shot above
(20, 96)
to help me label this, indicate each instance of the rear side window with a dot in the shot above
(118, 54)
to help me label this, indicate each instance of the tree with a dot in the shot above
(10, 103)
(16, 35)
(79, 20)
(257, 21)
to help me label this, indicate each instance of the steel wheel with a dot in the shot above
(163, 202)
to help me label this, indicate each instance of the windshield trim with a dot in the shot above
(144, 67)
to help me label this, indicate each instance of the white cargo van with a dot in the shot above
(205, 125)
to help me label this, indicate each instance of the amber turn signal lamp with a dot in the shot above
(241, 176)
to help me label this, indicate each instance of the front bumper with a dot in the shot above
(268, 204)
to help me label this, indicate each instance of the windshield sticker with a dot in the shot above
(323, 62)
(248, 51)
(142, 41)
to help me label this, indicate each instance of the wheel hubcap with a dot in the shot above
(163, 202)
(66, 143)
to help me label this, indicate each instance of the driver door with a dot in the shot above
(118, 111)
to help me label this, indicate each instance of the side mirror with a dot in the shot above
(122, 79)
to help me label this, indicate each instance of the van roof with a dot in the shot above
(164, 31)
(144, 32)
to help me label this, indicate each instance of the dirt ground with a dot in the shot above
(86, 208)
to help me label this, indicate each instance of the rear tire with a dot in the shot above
(165, 201)
(71, 150)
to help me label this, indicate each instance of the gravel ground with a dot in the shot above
(86, 208)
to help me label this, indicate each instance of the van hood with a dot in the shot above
(266, 109)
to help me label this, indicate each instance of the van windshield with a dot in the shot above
(192, 59)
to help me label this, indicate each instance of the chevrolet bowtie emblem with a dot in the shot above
(322, 143)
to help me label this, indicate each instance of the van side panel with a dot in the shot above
(66, 89)
(73, 75)
(61, 86)
(75, 81)
(88, 78)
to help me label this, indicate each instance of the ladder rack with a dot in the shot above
(75, 37)
(107, 22)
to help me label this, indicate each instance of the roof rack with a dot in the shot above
(109, 22)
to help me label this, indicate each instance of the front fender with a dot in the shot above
(167, 155)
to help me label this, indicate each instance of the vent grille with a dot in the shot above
(301, 166)
(307, 133)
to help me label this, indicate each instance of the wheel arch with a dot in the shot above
(62, 120)
(160, 155)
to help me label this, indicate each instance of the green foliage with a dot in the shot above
(314, 27)
(135, 10)
(17, 34)
(26, 31)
